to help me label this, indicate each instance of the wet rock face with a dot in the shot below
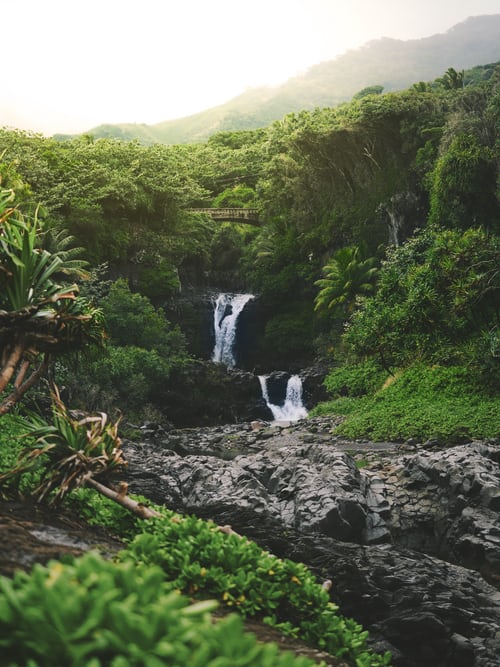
(204, 393)
(276, 387)
(391, 525)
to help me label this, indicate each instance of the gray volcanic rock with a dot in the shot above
(391, 525)
(443, 502)
(309, 486)
(424, 610)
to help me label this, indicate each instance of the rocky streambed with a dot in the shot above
(408, 533)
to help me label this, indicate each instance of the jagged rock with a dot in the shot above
(412, 520)
(313, 389)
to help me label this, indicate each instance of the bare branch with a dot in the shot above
(123, 499)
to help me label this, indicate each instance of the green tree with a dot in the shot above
(41, 317)
(463, 190)
(347, 276)
(437, 298)
(452, 80)
(131, 319)
(132, 374)
(239, 196)
(369, 90)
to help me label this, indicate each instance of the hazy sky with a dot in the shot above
(69, 65)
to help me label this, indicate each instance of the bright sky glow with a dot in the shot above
(69, 65)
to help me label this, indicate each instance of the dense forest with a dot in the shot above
(376, 259)
(378, 248)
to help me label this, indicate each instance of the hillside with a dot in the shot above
(391, 63)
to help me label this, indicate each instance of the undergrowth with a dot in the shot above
(12, 442)
(424, 402)
(201, 560)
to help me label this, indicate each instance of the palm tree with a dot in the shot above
(60, 243)
(346, 276)
(452, 80)
(40, 316)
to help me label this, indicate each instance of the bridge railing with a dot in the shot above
(249, 215)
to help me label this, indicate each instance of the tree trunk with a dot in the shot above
(9, 365)
(8, 403)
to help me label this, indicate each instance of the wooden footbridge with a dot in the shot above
(247, 216)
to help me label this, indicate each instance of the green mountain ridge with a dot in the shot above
(391, 63)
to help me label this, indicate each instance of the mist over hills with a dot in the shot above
(391, 63)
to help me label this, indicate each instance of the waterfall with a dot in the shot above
(395, 224)
(292, 408)
(226, 311)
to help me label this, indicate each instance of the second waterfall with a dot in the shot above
(226, 312)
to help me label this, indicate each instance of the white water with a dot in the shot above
(293, 408)
(226, 311)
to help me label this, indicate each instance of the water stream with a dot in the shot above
(227, 309)
(292, 408)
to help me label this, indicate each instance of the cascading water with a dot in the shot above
(293, 408)
(226, 311)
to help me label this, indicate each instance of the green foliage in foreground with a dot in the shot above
(421, 402)
(195, 558)
(200, 559)
(93, 612)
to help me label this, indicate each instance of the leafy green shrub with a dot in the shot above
(201, 560)
(338, 406)
(132, 320)
(11, 445)
(440, 289)
(159, 282)
(97, 510)
(131, 375)
(355, 379)
(423, 402)
(94, 613)
(238, 196)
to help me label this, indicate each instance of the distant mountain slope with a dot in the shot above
(391, 63)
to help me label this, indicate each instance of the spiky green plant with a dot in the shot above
(40, 316)
(60, 243)
(71, 452)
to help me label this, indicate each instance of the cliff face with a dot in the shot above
(193, 311)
